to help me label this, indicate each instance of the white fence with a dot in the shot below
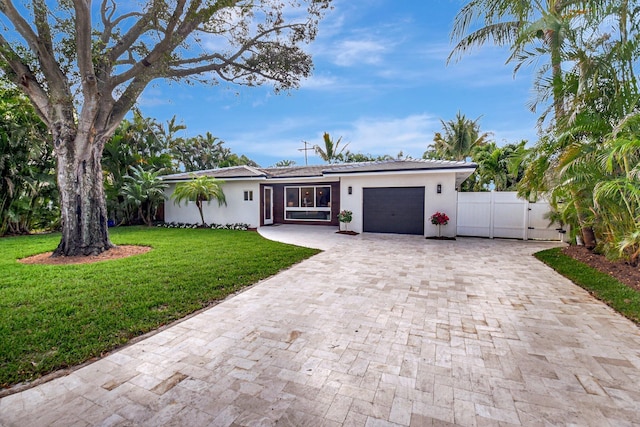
(504, 215)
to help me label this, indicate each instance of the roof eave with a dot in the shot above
(466, 168)
(225, 178)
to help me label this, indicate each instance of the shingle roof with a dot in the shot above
(245, 171)
(296, 171)
(242, 171)
(398, 165)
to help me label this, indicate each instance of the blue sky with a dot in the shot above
(380, 82)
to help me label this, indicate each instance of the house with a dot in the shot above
(394, 196)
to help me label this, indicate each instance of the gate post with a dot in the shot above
(492, 207)
(525, 228)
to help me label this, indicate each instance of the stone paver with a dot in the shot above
(379, 330)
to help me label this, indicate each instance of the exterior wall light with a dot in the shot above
(439, 188)
(350, 190)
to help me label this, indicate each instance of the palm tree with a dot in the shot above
(145, 190)
(460, 137)
(529, 29)
(331, 152)
(284, 163)
(200, 189)
(589, 79)
(27, 178)
(617, 197)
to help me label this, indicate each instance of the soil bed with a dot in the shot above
(113, 253)
(622, 271)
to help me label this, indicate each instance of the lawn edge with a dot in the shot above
(598, 284)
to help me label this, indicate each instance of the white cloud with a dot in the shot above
(368, 135)
(354, 52)
(483, 68)
(279, 140)
(323, 82)
(389, 135)
(153, 97)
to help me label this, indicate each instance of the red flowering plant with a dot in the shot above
(439, 218)
(345, 217)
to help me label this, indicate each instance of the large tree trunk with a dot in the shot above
(82, 201)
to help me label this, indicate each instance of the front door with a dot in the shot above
(268, 205)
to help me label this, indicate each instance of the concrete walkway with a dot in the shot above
(379, 330)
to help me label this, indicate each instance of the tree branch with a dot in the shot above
(41, 44)
(131, 36)
(88, 81)
(23, 77)
(106, 13)
(56, 80)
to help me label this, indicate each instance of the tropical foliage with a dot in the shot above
(146, 143)
(144, 190)
(28, 193)
(140, 151)
(459, 138)
(284, 163)
(350, 157)
(586, 160)
(199, 190)
(332, 151)
(500, 168)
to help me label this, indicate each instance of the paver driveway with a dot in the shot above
(379, 330)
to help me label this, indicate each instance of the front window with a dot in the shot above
(309, 203)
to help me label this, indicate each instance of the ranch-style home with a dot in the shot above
(395, 196)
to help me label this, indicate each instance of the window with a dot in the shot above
(248, 195)
(309, 203)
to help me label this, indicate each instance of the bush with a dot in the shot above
(236, 226)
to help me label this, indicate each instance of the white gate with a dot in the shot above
(504, 215)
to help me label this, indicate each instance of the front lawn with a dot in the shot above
(52, 317)
(622, 298)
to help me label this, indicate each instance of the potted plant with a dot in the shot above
(439, 219)
(345, 217)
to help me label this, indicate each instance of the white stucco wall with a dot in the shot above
(237, 209)
(444, 202)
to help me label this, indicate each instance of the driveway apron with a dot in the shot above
(378, 330)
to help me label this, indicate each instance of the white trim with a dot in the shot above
(307, 209)
(249, 178)
(402, 172)
(267, 221)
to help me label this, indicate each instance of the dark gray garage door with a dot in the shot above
(393, 210)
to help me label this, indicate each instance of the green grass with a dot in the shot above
(622, 298)
(52, 317)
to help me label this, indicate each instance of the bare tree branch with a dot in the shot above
(133, 34)
(106, 13)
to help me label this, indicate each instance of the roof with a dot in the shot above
(242, 171)
(398, 166)
(318, 171)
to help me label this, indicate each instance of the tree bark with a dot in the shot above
(82, 201)
(586, 231)
(199, 206)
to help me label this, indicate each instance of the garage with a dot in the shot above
(397, 210)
